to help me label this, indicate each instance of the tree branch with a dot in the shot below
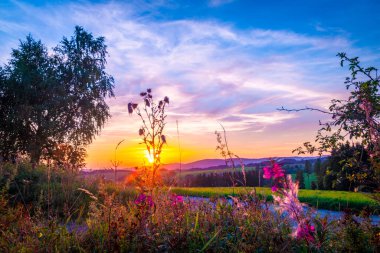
(304, 109)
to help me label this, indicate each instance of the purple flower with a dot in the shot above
(176, 199)
(278, 172)
(304, 231)
(267, 173)
(275, 171)
(143, 200)
(274, 188)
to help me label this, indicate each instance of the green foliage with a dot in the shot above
(107, 219)
(50, 99)
(307, 179)
(53, 192)
(300, 179)
(355, 118)
(349, 168)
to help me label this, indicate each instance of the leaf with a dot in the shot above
(211, 240)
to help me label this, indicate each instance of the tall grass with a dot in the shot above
(105, 217)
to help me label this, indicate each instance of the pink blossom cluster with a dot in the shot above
(287, 201)
(276, 172)
(305, 231)
(176, 199)
(144, 201)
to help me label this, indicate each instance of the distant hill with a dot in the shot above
(204, 165)
(215, 163)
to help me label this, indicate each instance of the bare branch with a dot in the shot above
(304, 109)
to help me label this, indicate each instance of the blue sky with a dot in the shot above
(225, 61)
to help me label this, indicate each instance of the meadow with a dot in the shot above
(330, 200)
(63, 212)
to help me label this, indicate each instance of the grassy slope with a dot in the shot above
(331, 200)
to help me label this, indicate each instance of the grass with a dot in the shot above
(105, 217)
(330, 200)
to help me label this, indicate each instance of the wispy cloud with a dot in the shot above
(212, 71)
(217, 3)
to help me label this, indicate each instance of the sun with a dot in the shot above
(149, 157)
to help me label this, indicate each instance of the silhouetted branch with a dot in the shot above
(304, 109)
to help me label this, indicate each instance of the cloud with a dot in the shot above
(217, 3)
(213, 72)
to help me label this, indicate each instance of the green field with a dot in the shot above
(330, 200)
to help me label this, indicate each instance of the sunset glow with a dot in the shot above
(149, 157)
(218, 63)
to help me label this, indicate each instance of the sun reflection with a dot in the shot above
(149, 156)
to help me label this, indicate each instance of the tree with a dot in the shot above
(67, 157)
(300, 178)
(319, 172)
(308, 169)
(356, 118)
(349, 168)
(52, 99)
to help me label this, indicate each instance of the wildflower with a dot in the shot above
(131, 107)
(236, 202)
(288, 200)
(275, 171)
(143, 200)
(288, 203)
(176, 199)
(267, 173)
(304, 231)
(278, 172)
(163, 138)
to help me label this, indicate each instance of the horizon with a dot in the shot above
(303, 157)
(219, 61)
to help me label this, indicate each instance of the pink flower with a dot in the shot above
(176, 199)
(274, 188)
(267, 173)
(305, 231)
(278, 172)
(275, 171)
(288, 201)
(143, 200)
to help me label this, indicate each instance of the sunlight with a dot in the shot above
(149, 157)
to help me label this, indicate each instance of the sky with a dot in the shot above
(226, 62)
